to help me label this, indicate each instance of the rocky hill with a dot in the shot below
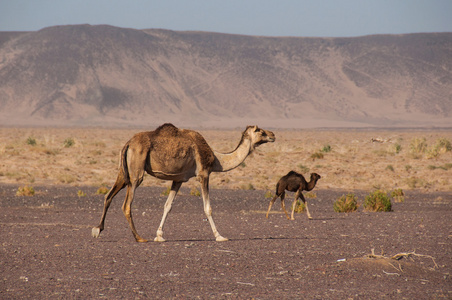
(83, 75)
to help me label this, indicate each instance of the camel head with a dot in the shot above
(258, 136)
(315, 177)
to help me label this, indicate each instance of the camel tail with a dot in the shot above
(123, 162)
(277, 189)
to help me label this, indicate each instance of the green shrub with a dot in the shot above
(69, 142)
(390, 168)
(81, 193)
(398, 195)
(299, 207)
(31, 141)
(397, 148)
(25, 191)
(377, 201)
(346, 203)
(326, 149)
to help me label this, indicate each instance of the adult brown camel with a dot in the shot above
(170, 153)
(294, 182)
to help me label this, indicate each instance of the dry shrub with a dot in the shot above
(81, 193)
(346, 203)
(195, 192)
(377, 201)
(102, 190)
(398, 195)
(418, 146)
(25, 191)
(299, 206)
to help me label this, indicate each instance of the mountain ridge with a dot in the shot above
(84, 75)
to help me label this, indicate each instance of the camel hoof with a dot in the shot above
(221, 239)
(95, 232)
(310, 218)
(292, 219)
(140, 240)
(159, 239)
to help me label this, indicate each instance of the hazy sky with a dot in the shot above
(322, 18)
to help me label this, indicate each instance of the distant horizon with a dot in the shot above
(282, 36)
(291, 18)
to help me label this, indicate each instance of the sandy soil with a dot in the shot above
(47, 250)
(352, 162)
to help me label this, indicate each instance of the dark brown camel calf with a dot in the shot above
(294, 182)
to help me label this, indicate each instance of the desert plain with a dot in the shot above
(47, 250)
(346, 159)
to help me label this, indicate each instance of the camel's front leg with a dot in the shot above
(305, 205)
(208, 208)
(175, 186)
(297, 194)
(271, 204)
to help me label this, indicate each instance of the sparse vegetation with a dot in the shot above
(166, 191)
(25, 191)
(93, 159)
(268, 194)
(299, 207)
(310, 195)
(102, 190)
(346, 203)
(303, 168)
(377, 201)
(195, 192)
(248, 187)
(69, 142)
(31, 141)
(81, 193)
(317, 155)
(418, 147)
(326, 149)
(398, 195)
(397, 148)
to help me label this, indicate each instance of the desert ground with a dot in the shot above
(47, 250)
(346, 159)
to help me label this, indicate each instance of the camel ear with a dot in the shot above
(255, 128)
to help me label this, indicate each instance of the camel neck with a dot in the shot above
(311, 185)
(228, 161)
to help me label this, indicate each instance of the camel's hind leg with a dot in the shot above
(283, 195)
(118, 186)
(208, 208)
(126, 208)
(271, 204)
(175, 186)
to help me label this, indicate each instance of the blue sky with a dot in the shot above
(321, 18)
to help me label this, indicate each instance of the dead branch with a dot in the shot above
(401, 255)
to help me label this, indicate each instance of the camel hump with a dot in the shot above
(293, 173)
(167, 129)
